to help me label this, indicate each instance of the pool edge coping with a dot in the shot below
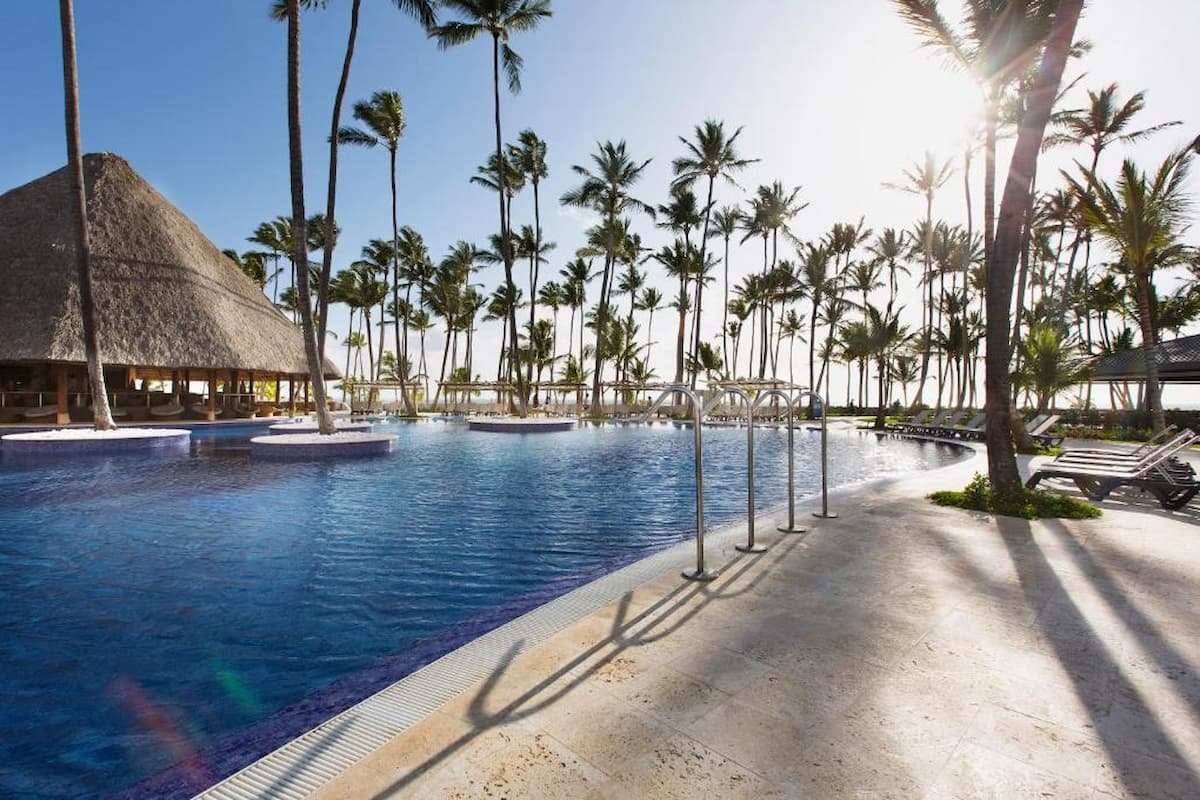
(303, 765)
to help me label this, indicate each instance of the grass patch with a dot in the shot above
(1015, 501)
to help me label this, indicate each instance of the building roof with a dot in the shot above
(1178, 361)
(165, 295)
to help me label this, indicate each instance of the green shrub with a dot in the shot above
(1014, 500)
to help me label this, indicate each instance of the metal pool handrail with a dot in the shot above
(824, 512)
(791, 436)
(699, 573)
(739, 392)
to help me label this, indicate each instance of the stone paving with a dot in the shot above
(902, 650)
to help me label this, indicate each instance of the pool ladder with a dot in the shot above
(699, 412)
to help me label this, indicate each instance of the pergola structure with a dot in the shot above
(170, 307)
(1178, 361)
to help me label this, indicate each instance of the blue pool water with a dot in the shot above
(197, 611)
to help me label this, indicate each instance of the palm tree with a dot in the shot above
(999, 42)
(650, 300)
(925, 179)
(276, 236)
(529, 156)
(576, 276)
(884, 336)
(706, 359)
(726, 222)
(1050, 364)
(679, 260)
(101, 414)
(1142, 219)
(500, 19)
(1001, 266)
(817, 280)
(790, 327)
(383, 123)
(607, 191)
(681, 215)
(421, 323)
(711, 156)
(903, 370)
(550, 295)
(423, 11)
(300, 223)
(252, 263)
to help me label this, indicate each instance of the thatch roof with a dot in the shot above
(1178, 361)
(165, 295)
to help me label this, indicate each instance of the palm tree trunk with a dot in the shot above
(331, 196)
(349, 333)
(401, 351)
(101, 414)
(725, 316)
(533, 281)
(1002, 463)
(299, 223)
(1146, 323)
(505, 237)
(601, 325)
(680, 334)
(927, 300)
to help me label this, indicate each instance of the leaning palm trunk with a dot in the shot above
(101, 414)
(299, 223)
(505, 235)
(331, 196)
(1002, 462)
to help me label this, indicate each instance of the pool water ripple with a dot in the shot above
(154, 608)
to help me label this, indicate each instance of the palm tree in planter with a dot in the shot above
(300, 223)
(101, 413)
(499, 19)
(383, 123)
(1142, 218)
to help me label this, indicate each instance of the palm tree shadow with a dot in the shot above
(654, 623)
(1078, 647)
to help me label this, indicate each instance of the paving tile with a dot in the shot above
(977, 773)
(680, 768)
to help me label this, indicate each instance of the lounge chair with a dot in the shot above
(1038, 431)
(929, 428)
(973, 429)
(1137, 458)
(40, 412)
(919, 419)
(946, 429)
(1154, 473)
(1158, 439)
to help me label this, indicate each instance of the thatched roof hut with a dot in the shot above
(166, 297)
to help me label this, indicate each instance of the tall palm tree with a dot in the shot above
(550, 295)
(650, 300)
(383, 123)
(818, 281)
(884, 337)
(712, 155)
(529, 156)
(998, 43)
(1142, 218)
(423, 11)
(924, 179)
(1001, 266)
(790, 327)
(499, 19)
(576, 276)
(300, 222)
(101, 414)
(606, 190)
(726, 222)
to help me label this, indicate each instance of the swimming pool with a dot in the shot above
(199, 611)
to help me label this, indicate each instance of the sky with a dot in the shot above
(834, 97)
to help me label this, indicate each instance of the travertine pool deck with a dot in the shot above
(901, 650)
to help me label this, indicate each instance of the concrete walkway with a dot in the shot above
(900, 651)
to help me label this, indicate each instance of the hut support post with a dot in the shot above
(175, 384)
(253, 394)
(306, 395)
(233, 390)
(291, 396)
(278, 388)
(211, 412)
(63, 416)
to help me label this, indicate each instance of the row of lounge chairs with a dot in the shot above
(946, 426)
(1154, 467)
